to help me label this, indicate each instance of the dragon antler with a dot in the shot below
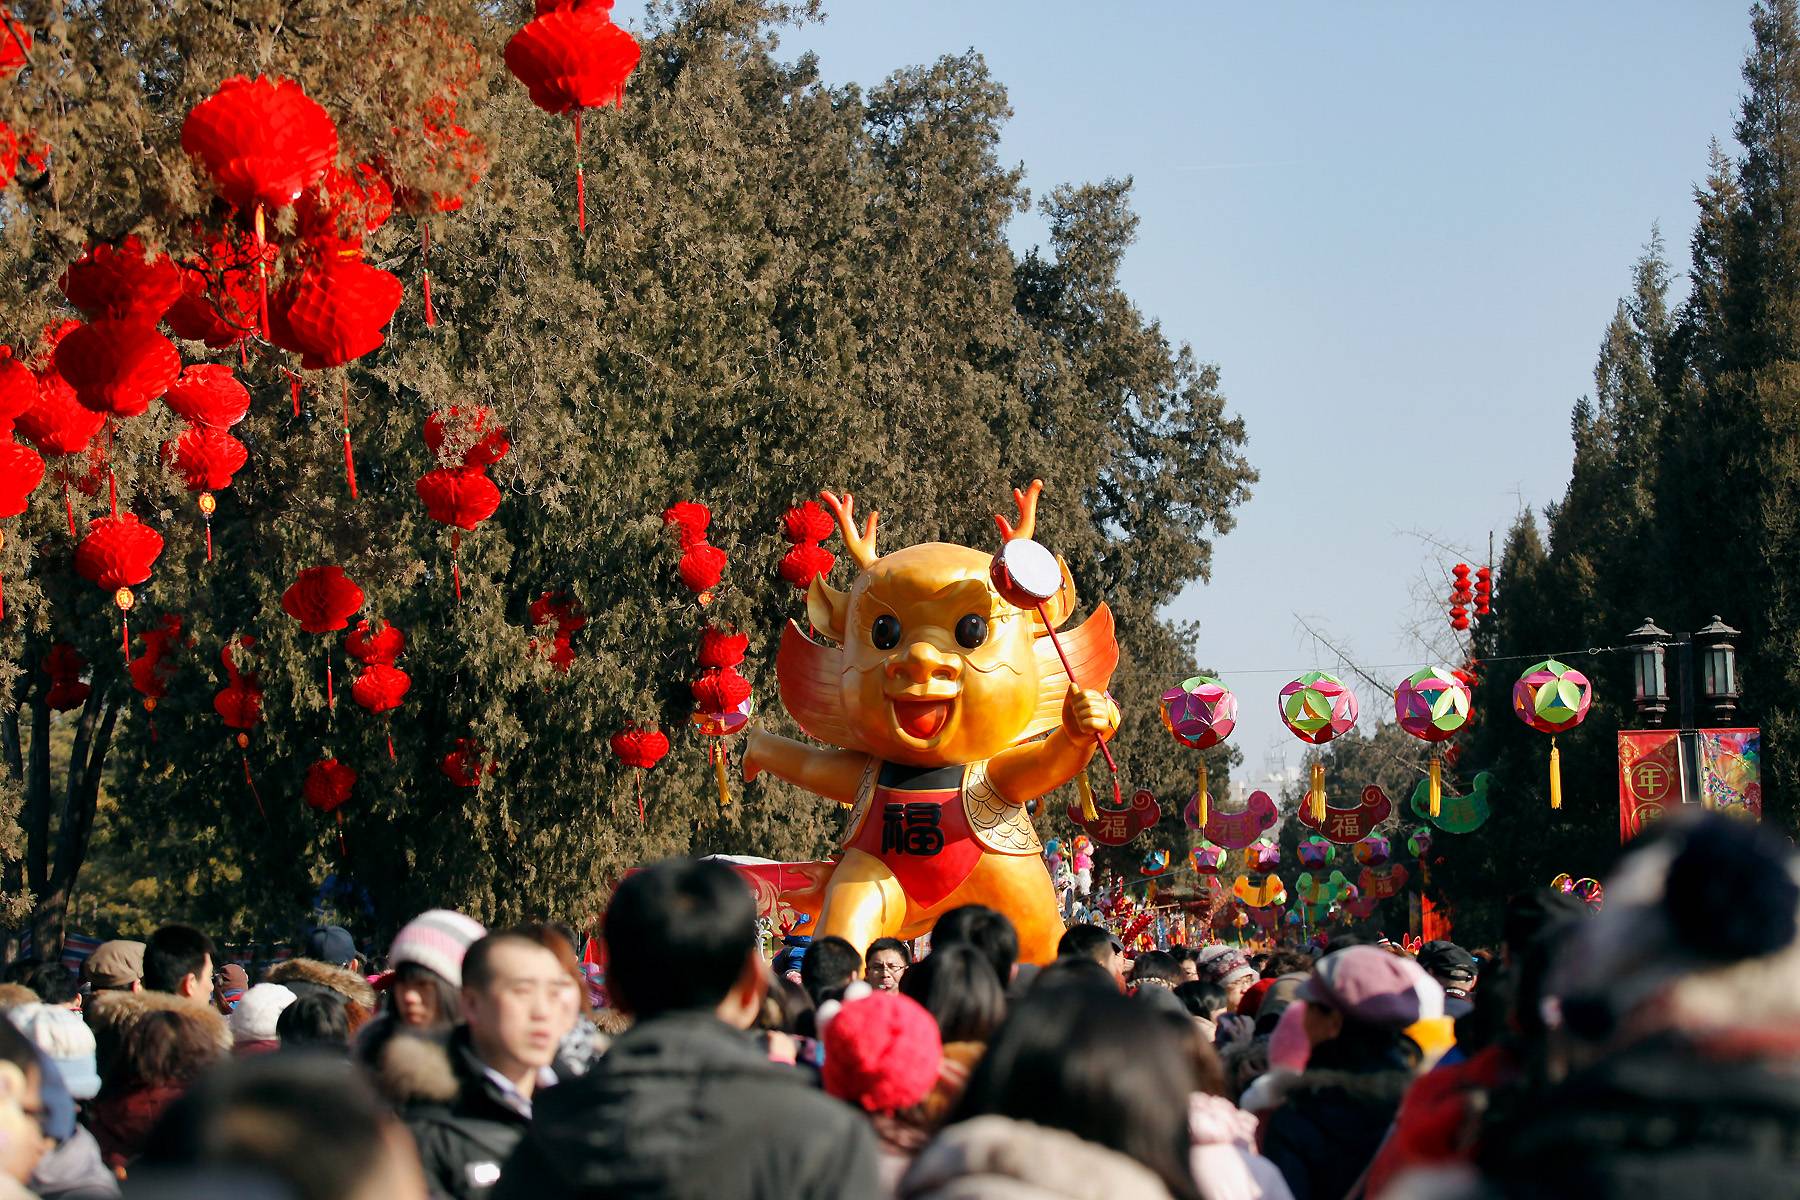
(861, 546)
(1027, 502)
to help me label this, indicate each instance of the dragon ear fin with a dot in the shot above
(827, 608)
(811, 678)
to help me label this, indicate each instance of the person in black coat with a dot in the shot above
(684, 1104)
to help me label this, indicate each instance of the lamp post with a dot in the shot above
(1719, 670)
(1716, 648)
(1652, 690)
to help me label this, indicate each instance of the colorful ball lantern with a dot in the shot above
(641, 750)
(263, 142)
(1373, 851)
(1316, 708)
(116, 555)
(1433, 705)
(323, 599)
(462, 498)
(1552, 697)
(1418, 842)
(571, 59)
(1199, 712)
(1315, 851)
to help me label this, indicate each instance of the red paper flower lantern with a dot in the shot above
(690, 521)
(343, 208)
(122, 283)
(64, 665)
(463, 765)
(208, 394)
(150, 671)
(380, 689)
(335, 311)
(239, 705)
(15, 44)
(558, 607)
(322, 599)
(207, 458)
(640, 749)
(116, 555)
(472, 435)
(701, 567)
(459, 496)
(262, 141)
(806, 523)
(18, 389)
(327, 788)
(375, 647)
(117, 367)
(720, 690)
(58, 424)
(806, 562)
(720, 649)
(219, 300)
(21, 470)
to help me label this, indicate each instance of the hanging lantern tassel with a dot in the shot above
(580, 180)
(208, 506)
(1088, 811)
(1555, 774)
(456, 563)
(343, 847)
(1317, 795)
(124, 599)
(349, 457)
(387, 727)
(638, 786)
(1437, 785)
(2, 582)
(425, 261)
(1200, 813)
(721, 761)
(243, 741)
(68, 504)
(262, 278)
(150, 707)
(294, 384)
(330, 692)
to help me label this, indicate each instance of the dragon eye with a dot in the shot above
(971, 631)
(885, 632)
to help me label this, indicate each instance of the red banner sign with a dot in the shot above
(1649, 778)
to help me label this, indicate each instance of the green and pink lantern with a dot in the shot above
(1316, 708)
(1199, 712)
(1552, 698)
(1433, 705)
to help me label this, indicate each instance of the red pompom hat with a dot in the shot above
(882, 1053)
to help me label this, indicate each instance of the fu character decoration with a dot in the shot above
(1316, 708)
(1553, 698)
(1433, 705)
(1200, 713)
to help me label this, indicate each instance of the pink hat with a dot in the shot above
(1371, 986)
(882, 1052)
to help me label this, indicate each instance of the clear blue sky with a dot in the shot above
(1399, 229)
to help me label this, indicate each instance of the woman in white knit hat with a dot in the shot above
(425, 964)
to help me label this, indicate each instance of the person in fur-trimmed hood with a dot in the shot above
(152, 1045)
(304, 976)
(1330, 1119)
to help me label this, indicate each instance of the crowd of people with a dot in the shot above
(1651, 1049)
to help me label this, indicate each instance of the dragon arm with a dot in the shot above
(834, 774)
(1024, 773)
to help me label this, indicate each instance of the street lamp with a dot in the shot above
(1652, 692)
(1718, 670)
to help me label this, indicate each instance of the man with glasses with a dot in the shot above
(886, 962)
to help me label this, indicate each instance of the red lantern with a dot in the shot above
(690, 521)
(719, 649)
(375, 647)
(18, 389)
(380, 689)
(343, 208)
(149, 671)
(455, 434)
(58, 424)
(322, 599)
(239, 705)
(263, 142)
(701, 568)
(461, 497)
(64, 665)
(219, 300)
(327, 788)
(207, 458)
(463, 766)
(570, 59)
(117, 554)
(122, 283)
(21, 470)
(335, 311)
(117, 367)
(567, 615)
(15, 44)
(806, 523)
(208, 394)
(806, 562)
(720, 690)
(640, 749)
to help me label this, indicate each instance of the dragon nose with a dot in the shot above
(923, 663)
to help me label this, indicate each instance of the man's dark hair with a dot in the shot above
(54, 983)
(1286, 961)
(956, 985)
(831, 965)
(986, 929)
(677, 937)
(894, 944)
(478, 960)
(173, 953)
(1073, 971)
(1087, 941)
(1202, 999)
(19, 970)
(1154, 964)
(311, 1121)
(319, 1020)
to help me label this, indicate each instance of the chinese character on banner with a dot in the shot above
(1649, 777)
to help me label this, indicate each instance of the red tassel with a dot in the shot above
(455, 563)
(580, 179)
(294, 388)
(390, 740)
(243, 356)
(349, 457)
(330, 694)
(640, 795)
(112, 491)
(209, 539)
(254, 795)
(68, 504)
(125, 635)
(343, 849)
(425, 258)
(262, 278)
